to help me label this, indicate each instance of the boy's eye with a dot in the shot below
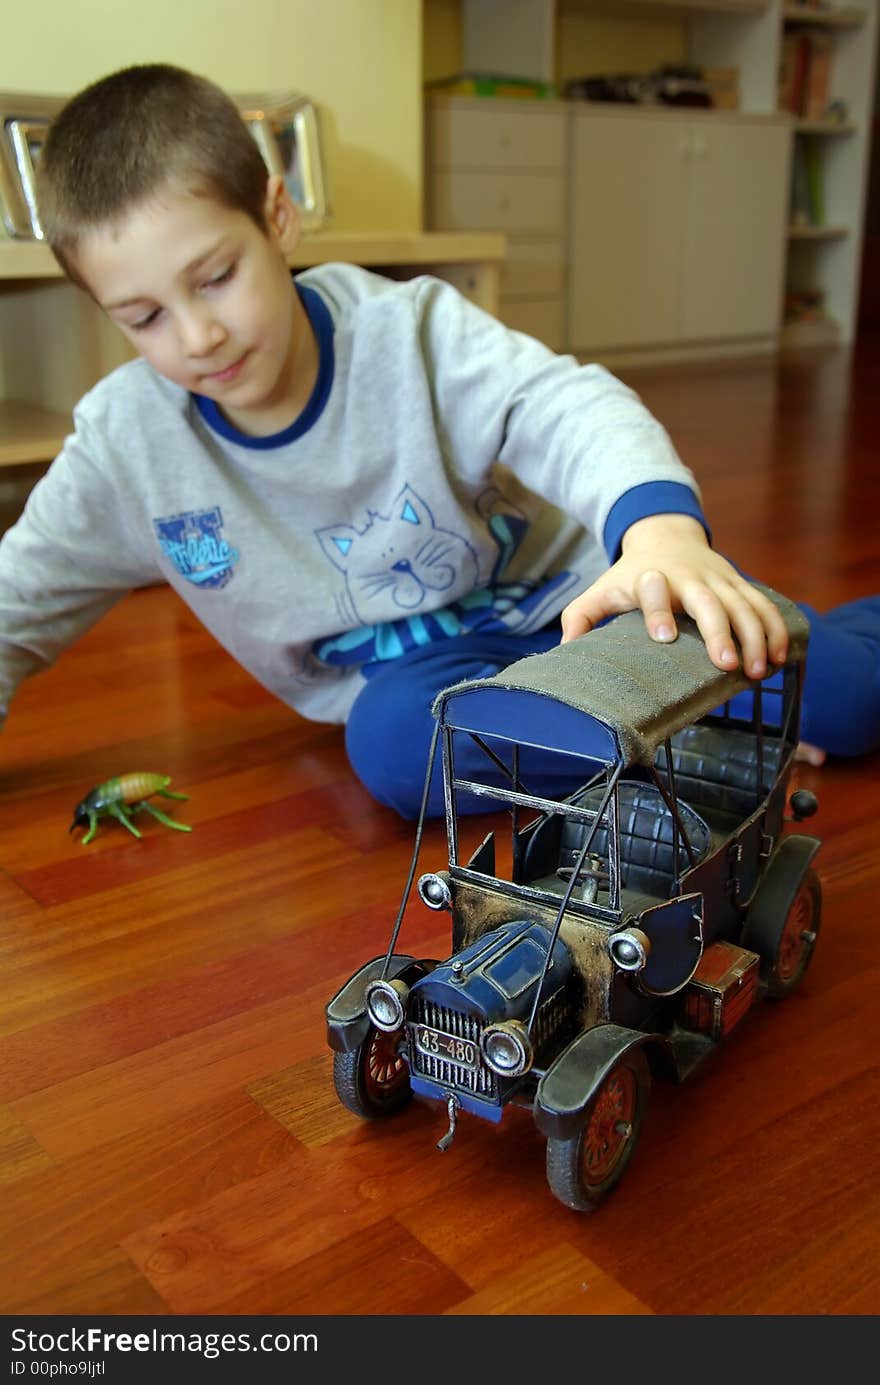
(222, 276)
(146, 321)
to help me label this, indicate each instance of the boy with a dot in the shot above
(354, 484)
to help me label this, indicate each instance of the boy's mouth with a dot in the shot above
(229, 372)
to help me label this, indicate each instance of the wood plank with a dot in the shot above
(80, 1209)
(559, 1281)
(34, 260)
(30, 433)
(20, 1153)
(381, 1264)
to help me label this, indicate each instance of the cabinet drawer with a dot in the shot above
(505, 138)
(527, 202)
(533, 268)
(543, 318)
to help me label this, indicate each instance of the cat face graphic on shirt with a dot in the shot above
(401, 556)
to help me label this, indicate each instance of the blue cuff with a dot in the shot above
(650, 498)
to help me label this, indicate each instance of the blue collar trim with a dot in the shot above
(322, 325)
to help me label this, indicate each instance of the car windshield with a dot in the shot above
(514, 838)
(530, 844)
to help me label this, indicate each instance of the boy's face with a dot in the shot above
(206, 297)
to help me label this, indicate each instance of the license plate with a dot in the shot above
(464, 1053)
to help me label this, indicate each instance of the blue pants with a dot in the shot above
(390, 725)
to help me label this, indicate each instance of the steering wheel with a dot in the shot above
(594, 871)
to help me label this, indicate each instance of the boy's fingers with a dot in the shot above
(772, 621)
(652, 591)
(578, 618)
(592, 606)
(744, 613)
(755, 623)
(713, 624)
(753, 641)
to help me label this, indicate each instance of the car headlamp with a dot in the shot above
(507, 1048)
(386, 1004)
(434, 891)
(629, 949)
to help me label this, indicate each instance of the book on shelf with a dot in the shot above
(817, 92)
(807, 200)
(805, 73)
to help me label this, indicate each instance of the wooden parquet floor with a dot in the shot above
(170, 1141)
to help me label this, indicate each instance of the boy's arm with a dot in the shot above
(667, 565)
(582, 439)
(62, 566)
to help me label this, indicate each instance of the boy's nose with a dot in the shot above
(200, 334)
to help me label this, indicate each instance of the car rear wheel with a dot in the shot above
(797, 942)
(373, 1080)
(584, 1169)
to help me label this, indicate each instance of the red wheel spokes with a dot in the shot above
(384, 1066)
(610, 1125)
(793, 943)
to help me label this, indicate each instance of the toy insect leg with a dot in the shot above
(162, 817)
(93, 827)
(169, 793)
(117, 811)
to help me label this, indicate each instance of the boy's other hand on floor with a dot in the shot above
(810, 754)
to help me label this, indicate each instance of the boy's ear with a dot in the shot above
(282, 217)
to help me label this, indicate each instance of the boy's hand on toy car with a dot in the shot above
(666, 565)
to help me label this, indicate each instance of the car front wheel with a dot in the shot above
(373, 1080)
(584, 1169)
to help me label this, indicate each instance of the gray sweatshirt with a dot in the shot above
(446, 475)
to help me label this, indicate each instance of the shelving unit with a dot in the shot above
(676, 7)
(830, 128)
(30, 433)
(501, 163)
(818, 232)
(843, 17)
(825, 258)
(746, 35)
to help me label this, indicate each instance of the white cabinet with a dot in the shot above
(677, 229)
(500, 165)
(734, 250)
(823, 259)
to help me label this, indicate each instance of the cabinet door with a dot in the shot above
(732, 279)
(628, 189)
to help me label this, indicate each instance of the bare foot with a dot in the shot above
(809, 754)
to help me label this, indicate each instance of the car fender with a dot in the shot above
(571, 1082)
(347, 1019)
(766, 917)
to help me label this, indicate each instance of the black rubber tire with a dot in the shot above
(372, 1080)
(584, 1169)
(795, 951)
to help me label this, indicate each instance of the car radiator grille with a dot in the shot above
(551, 1018)
(480, 1082)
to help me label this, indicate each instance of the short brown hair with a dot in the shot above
(128, 135)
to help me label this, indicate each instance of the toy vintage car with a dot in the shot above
(622, 929)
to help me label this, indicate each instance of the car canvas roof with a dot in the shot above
(612, 694)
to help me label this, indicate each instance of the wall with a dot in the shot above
(441, 39)
(585, 42)
(360, 60)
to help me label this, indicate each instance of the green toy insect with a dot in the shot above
(122, 796)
